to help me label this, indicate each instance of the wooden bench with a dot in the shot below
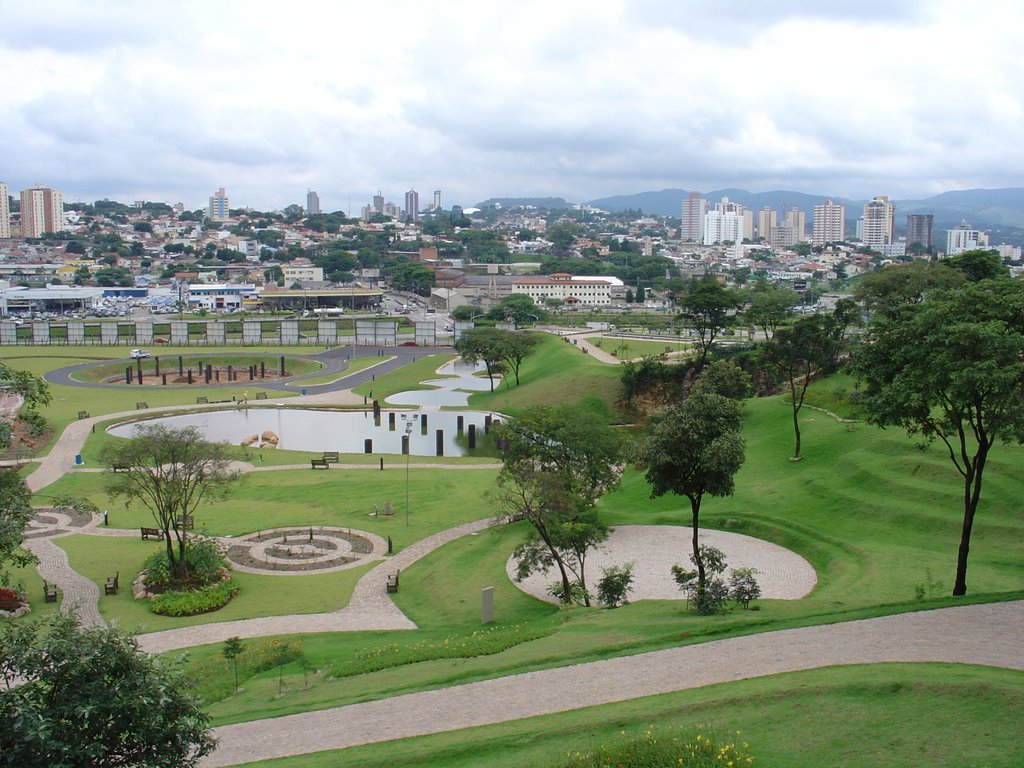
(111, 584)
(151, 533)
(261, 395)
(83, 414)
(392, 584)
(319, 464)
(202, 400)
(185, 523)
(331, 456)
(49, 592)
(142, 404)
(119, 467)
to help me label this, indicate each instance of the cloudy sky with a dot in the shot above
(579, 99)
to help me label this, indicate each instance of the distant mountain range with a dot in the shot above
(981, 208)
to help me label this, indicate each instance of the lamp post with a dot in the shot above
(408, 453)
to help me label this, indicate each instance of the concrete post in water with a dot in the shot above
(368, 445)
(472, 436)
(459, 424)
(439, 435)
(487, 423)
(391, 421)
(376, 409)
(405, 445)
(423, 422)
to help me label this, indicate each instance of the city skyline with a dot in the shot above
(575, 100)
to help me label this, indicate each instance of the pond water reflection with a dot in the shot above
(453, 391)
(344, 431)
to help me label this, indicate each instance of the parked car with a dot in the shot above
(138, 354)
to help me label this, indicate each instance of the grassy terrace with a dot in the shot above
(874, 515)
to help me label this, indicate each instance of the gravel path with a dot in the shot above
(78, 594)
(654, 549)
(975, 634)
(369, 609)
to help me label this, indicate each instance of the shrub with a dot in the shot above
(704, 750)
(577, 594)
(35, 421)
(712, 598)
(743, 586)
(205, 560)
(194, 601)
(615, 584)
(10, 600)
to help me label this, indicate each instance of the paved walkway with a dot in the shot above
(974, 634)
(78, 594)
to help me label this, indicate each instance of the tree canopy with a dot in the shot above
(708, 309)
(76, 696)
(15, 512)
(951, 368)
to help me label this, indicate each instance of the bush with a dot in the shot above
(194, 601)
(10, 600)
(205, 560)
(616, 582)
(715, 593)
(35, 421)
(743, 586)
(577, 594)
(704, 750)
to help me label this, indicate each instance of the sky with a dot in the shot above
(578, 99)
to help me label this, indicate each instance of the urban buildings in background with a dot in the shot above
(919, 229)
(218, 209)
(42, 211)
(5, 212)
(412, 205)
(877, 226)
(728, 222)
(312, 203)
(964, 238)
(411, 211)
(828, 224)
(691, 229)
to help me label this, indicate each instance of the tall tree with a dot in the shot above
(693, 449)
(801, 353)
(170, 472)
(557, 464)
(770, 306)
(951, 369)
(486, 345)
(72, 696)
(978, 264)
(885, 291)
(708, 308)
(15, 512)
(517, 347)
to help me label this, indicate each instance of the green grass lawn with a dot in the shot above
(294, 366)
(355, 365)
(632, 349)
(910, 715)
(405, 378)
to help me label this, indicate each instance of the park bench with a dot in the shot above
(111, 584)
(185, 522)
(49, 592)
(142, 404)
(120, 467)
(319, 464)
(202, 400)
(261, 395)
(151, 533)
(392, 584)
(331, 456)
(83, 414)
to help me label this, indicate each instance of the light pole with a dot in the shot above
(408, 453)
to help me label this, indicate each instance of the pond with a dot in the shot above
(453, 391)
(300, 429)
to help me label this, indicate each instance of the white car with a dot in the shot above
(139, 354)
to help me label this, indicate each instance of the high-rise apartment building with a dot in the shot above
(378, 202)
(796, 219)
(728, 222)
(766, 219)
(879, 216)
(42, 210)
(218, 209)
(693, 211)
(312, 203)
(963, 238)
(919, 229)
(5, 212)
(437, 199)
(829, 225)
(782, 237)
(412, 205)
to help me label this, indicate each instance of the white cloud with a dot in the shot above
(579, 99)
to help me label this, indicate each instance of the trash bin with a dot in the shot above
(303, 390)
(78, 459)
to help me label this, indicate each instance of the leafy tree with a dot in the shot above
(801, 353)
(170, 472)
(75, 246)
(708, 309)
(77, 696)
(951, 368)
(885, 291)
(486, 345)
(557, 464)
(232, 650)
(770, 307)
(640, 297)
(978, 264)
(517, 307)
(15, 512)
(561, 235)
(412, 276)
(517, 346)
(693, 449)
(143, 226)
(725, 378)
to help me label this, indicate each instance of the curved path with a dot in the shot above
(973, 634)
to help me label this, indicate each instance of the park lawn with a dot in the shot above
(97, 558)
(911, 715)
(338, 497)
(406, 378)
(294, 366)
(634, 349)
(28, 577)
(557, 373)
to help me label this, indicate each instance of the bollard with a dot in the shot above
(156, 360)
(439, 440)
(181, 367)
(282, 365)
(138, 370)
(263, 370)
(163, 379)
(390, 546)
(381, 463)
(189, 375)
(128, 375)
(105, 519)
